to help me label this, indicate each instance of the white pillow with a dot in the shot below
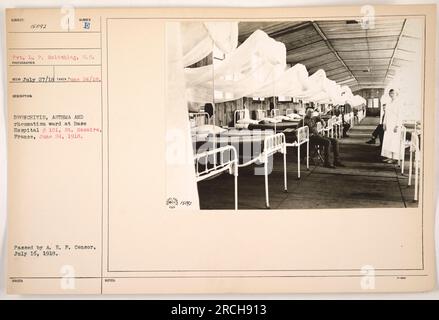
(282, 118)
(271, 120)
(241, 125)
(294, 116)
(210, 128)
(247, 121)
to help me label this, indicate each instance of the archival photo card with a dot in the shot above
(221, 150)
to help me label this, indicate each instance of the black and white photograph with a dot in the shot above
(300, 114)
(220, 151)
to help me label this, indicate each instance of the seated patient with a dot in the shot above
(318, 139)
(346, 126)
(379, 131)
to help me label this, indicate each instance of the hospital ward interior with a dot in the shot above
(299, 114)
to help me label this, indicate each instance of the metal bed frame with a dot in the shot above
(229, 164)
(272, 144)
(415, 148)
(197, 115)
(237, 115)
(348, 117)
(302, 137)
(260, 114)
(352, 119)
(338, 125)
(329, 129)
(404, 143)
(275, 112)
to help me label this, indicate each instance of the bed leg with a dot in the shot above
(401, 155)
(399, 158)
(402, 160)
(298, 161)
(307, 155)
(285, 171)
(236, 188)
(416, 175)
(410, 168)
(267, 202)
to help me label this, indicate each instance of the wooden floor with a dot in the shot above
(365, 182)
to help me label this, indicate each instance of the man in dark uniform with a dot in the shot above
(346, 126)
(379, 130)
(315, 138)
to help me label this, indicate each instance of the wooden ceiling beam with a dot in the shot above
(329, 75)
(278, 33)
(395, 49)
(367, 59)
(316, 57)
(288, 30)
(374, 38)
(302, 46)
(329, 45)
(363, 50)
(329, 70)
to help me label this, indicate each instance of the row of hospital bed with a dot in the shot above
(411, 140)
(229, 149)
(219, 150)
(252, 141)
(279, 122)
